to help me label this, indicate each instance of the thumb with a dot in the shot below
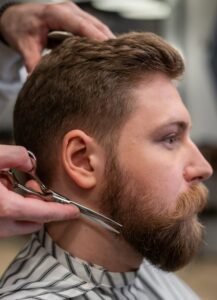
(31, 59)
(31, 52)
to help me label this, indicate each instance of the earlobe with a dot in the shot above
(77, 154)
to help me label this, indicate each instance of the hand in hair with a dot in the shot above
(25, 27)
(22, 215)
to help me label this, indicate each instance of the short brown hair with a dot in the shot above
(85, 84)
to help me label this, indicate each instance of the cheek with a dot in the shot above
(167, 188)
(162, 181)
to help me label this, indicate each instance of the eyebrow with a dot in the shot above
(182, 125)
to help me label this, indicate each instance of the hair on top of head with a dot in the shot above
(85, 84)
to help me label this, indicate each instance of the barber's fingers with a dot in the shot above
(14, 157)
(11, 228)
(100, 26)
(69, 17)
(96, 23)
(16, 207)
(83, 28)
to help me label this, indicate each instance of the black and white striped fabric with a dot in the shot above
(42, 271)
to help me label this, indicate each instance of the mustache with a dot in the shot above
(192, 202)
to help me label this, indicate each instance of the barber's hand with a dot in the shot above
(22, 215)
(25, 27)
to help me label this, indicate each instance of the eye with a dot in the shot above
(171, 139)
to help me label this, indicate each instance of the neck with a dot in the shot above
(87, 240)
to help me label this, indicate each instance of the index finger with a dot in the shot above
(15, 157)
(99, 26)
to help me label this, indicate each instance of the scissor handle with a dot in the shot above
(29, 191)
(8, 175)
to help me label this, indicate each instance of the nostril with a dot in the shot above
(197, 180)
(200, 178)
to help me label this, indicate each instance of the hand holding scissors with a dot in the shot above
(24, 214)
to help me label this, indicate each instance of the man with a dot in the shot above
(24, 26)
(110, 131)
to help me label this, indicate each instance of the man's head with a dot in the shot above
(107, 126)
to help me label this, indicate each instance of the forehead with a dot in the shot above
(156, 102)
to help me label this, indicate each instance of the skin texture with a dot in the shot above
(25, 27)
(139, 184)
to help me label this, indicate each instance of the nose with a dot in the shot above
(198, 168)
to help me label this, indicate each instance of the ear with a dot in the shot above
(81, 158)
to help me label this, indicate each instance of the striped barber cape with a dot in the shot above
(44, 271)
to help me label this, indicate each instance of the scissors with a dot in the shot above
(50, 195)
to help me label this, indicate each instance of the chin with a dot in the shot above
(181, 244)
(170, 247)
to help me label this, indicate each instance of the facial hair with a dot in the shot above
(168, 240)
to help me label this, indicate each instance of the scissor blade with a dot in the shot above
(101, 219)
(100, 222)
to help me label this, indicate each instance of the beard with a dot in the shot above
(169, 240)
